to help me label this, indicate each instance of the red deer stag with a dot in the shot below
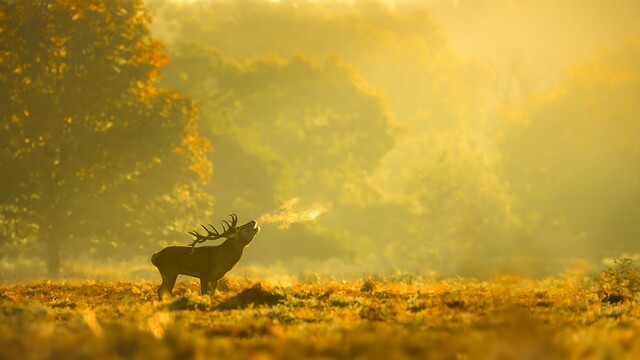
(209, 263)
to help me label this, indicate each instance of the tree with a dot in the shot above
(318, 112)
(462, 209)
(397, 50)
(94, 152)
(571, 158)
(306, 128)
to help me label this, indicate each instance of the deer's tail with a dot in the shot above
(154, 259)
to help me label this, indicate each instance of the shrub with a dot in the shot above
(620, 282)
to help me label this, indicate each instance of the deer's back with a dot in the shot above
(182, 259)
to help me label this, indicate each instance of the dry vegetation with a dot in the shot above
(402, 316)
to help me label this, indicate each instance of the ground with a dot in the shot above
(384, 318)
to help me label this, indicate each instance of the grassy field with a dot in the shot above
(384, 318)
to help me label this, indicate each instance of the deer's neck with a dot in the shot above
(232, 251)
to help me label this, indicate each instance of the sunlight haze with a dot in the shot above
(464, 138)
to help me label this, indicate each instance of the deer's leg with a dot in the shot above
(204, 285)
(171, 282)
(214, 285)
(168, 281)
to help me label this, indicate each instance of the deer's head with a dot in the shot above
(243, 235)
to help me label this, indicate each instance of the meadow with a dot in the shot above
(390, 317)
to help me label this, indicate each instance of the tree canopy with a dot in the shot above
(352, 131)
(572, 157)
(95, 151)
(341, 113)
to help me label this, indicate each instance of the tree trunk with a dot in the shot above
(53, 256)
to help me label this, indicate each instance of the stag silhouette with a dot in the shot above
(208, 263)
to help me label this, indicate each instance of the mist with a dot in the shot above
(459, 138)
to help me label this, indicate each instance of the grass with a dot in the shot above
(382, 318)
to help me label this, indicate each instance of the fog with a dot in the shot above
(459, 138)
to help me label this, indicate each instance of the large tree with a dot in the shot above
(93, 151)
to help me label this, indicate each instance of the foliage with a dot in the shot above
(317, 139)
(551, 319)
(357, 108)
(454, 194)
(314, 119)
(95, 153)
(620, 282)
(398, 50)
(319, 115)
(571, 158)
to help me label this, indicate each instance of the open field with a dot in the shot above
(383, 318)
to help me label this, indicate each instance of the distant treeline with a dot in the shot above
(361, 107)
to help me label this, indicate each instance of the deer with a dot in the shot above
(208, 263)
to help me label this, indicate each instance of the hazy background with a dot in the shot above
(465, 138)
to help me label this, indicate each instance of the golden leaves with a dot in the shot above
(203, 168)
(198, 147)
(198, 143)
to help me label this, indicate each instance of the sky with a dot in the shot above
(550, 35)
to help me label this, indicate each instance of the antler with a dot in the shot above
(213, 234)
